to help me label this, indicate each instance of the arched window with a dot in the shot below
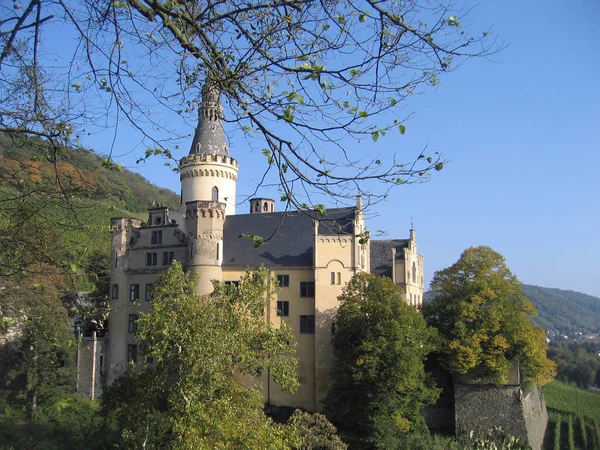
(215, 194)
(414, 272)
(265, 207)
(257, 207)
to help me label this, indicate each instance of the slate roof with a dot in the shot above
(381, 255)
(291, 243)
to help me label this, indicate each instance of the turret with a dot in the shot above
(262, 205)
(204, 224)
(208, 173)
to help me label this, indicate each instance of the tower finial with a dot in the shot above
(209, 138)
(412, 224)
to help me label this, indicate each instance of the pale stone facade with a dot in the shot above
(313, 257)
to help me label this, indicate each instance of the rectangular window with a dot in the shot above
(339, 278)
(168, 258)
(284, 280)
(151, 259)
(134, 292)
(116, 259)
(148, 292)
(307, 324)
(332, 277)
(132, 353)
(283, 308)
(156, 237)
(115, 291)
(133, 323)
(307, 289)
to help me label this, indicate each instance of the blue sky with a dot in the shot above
(520, 131)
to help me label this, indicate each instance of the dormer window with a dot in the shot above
(215, 194)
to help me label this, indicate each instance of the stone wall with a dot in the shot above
(480, 407)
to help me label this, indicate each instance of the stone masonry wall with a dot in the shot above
(480, 407)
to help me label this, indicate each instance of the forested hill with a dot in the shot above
(566, 311)
(81, 173)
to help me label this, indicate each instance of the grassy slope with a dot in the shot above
(567, 399)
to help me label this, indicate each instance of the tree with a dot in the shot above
(484, 320)
(193, 396)
(379, 385)
(293, 74)
(315, 432)
(35, 328)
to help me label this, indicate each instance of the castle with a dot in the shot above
(312, 257)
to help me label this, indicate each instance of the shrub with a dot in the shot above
(557, 426)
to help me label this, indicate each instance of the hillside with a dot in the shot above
(566, 311)
(80, 173)
(57, 208)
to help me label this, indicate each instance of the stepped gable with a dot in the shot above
(381, 255)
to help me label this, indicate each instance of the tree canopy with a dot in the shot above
(193, 396)
(379, 385)
(294, 74)
(484, 321)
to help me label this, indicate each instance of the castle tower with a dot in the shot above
(204, 224)
(208, 173)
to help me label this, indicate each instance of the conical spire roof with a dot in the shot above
(209, 138)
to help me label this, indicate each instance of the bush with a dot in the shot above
(315, 432)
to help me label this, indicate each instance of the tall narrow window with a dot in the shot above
(156, 237)
(151, 259)
(115, 291)
(215, 194)
(332, 277)
(265, 207)
(133, 318)
(307, 289)
(132, 353)
(339, 278)
(284, 280)
(307, 324)
(168, 258)
(414, 272)
(283, 308)
(134, 292)
(148, 292)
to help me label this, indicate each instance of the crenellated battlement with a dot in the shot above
(202, 209)
(204, 159)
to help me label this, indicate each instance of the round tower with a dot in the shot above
(204, 223)
(208, 173)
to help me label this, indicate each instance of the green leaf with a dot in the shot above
(320, 209)
(363, 114)
(362, 17)
(439, 166)
(375, 136)
(402, 129)
(303, 58)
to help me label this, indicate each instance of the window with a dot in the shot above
(116, 259)
(336, 278)
(414, 272)
(215, 194)
(115, 291)
(148, 292)
(265, 207)
(332, 277)
(283, 308)
(257, 207)
(134, 292)
(168, 258)
(284, 280)
(151, 259)
(411, 299)
(339, 278)
(133, 323)
(307, 289)
(307, 324)
(156, 237)
(132, 353)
